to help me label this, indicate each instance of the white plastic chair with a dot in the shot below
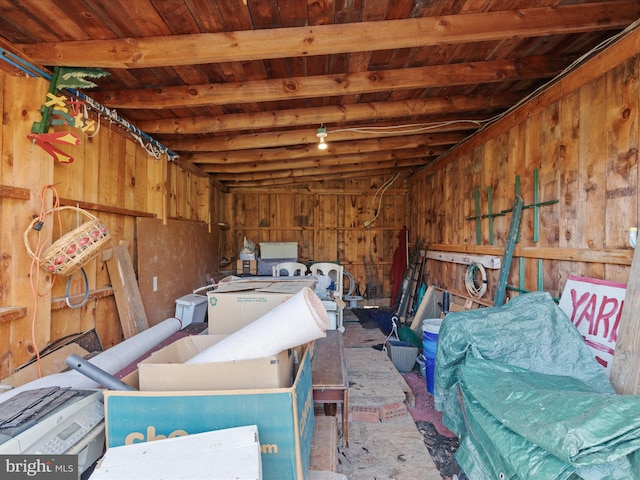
(291, 269)
(333, 271)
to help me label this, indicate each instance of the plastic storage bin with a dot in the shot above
(191, 308)
(402, 354)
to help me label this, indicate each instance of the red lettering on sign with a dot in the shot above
(604, 315)
(588, 313)
(576, 302)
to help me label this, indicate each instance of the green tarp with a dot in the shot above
(527, 398)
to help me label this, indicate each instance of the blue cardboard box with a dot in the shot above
(284, 417)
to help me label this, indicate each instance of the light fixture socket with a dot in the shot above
(321, 133)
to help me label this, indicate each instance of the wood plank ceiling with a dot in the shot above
(239, 88)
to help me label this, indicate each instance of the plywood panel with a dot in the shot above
(178, 255)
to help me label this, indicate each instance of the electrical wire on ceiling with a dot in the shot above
(408, 128)
(383, 188)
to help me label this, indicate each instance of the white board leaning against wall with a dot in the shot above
(595, 308)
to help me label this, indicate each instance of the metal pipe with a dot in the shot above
(96, 374)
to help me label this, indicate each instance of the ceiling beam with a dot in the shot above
(288, 181)
(240, 46)
(325, 171)
(329, 114)
(364, 160)
(335, 149)
(299, 139)
(468, 73)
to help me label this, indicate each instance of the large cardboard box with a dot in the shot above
(165, 369)
(284, 417)
(236, 304)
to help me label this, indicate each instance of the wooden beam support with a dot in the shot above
(434, 76)
(335, 149)
(7, 191)
(285, 138)
(305, 179)
(59, 303)
(9, 314)
(96, 207)
(239, 46)
(319, 172)
(417, 155)
(587, 255)
(329, 114)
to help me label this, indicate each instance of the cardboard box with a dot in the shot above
(247, 266)
(284, 417)
(279, 250)
(165, 369)
(236, 304)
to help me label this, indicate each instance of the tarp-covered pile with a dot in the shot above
(527, 399)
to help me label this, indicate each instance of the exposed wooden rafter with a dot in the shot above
(334, 39)
(239, 89)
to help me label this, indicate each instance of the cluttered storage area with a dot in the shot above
(460, 306)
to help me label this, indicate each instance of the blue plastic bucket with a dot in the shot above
(430, 368)
(430, 332)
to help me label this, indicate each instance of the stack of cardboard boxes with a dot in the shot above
(175, 399)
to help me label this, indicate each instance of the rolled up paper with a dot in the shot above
(295, 322)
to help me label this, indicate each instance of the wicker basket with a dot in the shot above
(74, 249)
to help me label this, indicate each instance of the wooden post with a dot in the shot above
(133, 318)
(625, 370)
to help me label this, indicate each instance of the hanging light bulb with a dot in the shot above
(321, 134)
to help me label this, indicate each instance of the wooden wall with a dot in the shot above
(112, 177)
(326, 220)
(577, 142)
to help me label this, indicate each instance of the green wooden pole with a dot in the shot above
(514, 229)
(476, 194)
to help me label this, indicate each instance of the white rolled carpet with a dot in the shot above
(295, 322)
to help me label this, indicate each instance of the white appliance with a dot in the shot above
(54, 421)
